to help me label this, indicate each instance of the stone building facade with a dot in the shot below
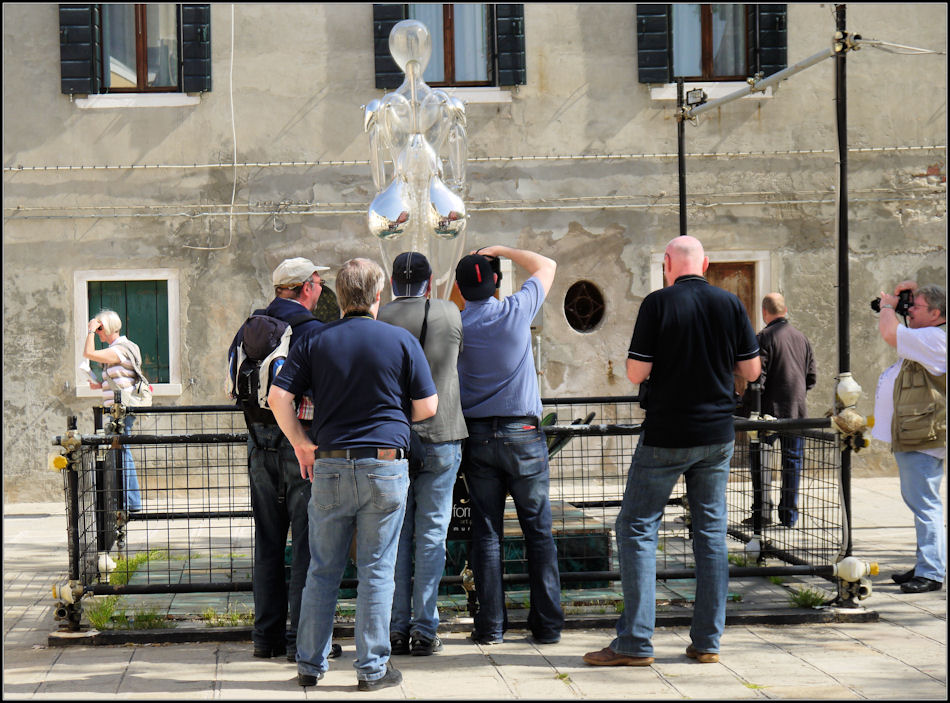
(207, 191)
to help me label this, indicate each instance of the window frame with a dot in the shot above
(82, 314)
(706, 49)
(80, 58)
(141, 54)
(448, 50)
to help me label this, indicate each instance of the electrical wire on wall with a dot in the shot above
(234, 142)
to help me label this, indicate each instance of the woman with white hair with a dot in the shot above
(118, 361)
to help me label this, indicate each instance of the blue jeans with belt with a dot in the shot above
(654, 472)
(368, 496)
(510, 456)
(428, 513)
(279, 498)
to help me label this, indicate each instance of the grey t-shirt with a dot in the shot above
(442, 347)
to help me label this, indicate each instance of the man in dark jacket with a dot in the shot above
(279, 496)
(788, 372)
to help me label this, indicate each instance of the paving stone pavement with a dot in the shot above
(903, 655)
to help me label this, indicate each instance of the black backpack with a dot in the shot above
(260, 354)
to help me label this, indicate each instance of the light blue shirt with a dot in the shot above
(497, 377)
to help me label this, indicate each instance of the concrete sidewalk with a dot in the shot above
(903, 655)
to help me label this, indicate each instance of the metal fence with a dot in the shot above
(195, 534)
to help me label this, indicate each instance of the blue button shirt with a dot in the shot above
(497, 377)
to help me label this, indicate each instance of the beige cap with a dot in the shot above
(293, 272)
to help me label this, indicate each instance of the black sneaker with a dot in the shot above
(766, 521)
(422, 647)
(264, 651)
(904, 577)
(921, 584)
(481, 639)
(308, 679)
(546, 639)
(392, 677)
(399, 644)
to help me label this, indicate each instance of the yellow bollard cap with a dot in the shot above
(873, 569)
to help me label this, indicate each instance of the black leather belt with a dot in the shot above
(380, 453)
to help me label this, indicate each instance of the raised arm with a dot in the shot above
(532, 262)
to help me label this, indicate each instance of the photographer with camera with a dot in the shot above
(506, 451)
(910, 409)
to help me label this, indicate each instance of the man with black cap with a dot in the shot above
(438, 326)
(506, 452)
(279, 496)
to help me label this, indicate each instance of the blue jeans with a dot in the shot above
(279, 498)
(653, 474)
(428, 512)
(130, 479)
(501, 457)
(368, 496)
(792, 450)
(920, 488)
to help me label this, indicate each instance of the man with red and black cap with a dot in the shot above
(433, 461)
(506, 452)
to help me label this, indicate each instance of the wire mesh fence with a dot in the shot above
(194, 530)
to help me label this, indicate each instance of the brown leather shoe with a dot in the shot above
(702, 657)
(608, 657)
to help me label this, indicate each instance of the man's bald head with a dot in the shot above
(774, 305)
(684, 256)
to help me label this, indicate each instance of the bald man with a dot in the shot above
(688, 341)
(788, 373)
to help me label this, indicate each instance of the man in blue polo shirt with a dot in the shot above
(506, 452)
(369, 380)
(689, 340)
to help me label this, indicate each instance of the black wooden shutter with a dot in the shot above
(385, 17)
(772, 40)
(195, 48)
(79, 49)
(654, 43)
(509, 45)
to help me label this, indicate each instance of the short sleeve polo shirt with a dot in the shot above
(693, 334)
(364, 375)
(496, 370)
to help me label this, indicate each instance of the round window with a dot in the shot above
(584, 306)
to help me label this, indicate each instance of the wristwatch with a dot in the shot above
(885, 305)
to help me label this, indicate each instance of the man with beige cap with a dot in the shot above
(279, 496)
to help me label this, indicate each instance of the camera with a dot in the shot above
(905, 301)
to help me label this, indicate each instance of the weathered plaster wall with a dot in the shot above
(301, 74)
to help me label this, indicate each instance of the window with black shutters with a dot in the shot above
(472, 44)
(706, 42)
(135, 48)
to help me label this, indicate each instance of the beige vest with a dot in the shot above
(920, 409)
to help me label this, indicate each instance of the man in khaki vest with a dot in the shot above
(910, 410)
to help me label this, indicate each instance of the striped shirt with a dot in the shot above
(122, 374)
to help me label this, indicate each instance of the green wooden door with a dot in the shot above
(143, 308)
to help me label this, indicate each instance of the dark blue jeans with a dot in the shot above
(502, 457)
(792, 449)
(279, 498)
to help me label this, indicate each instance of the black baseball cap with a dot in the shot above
(475, 277)
(411, 267)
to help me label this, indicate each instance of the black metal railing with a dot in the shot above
(195, 533)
